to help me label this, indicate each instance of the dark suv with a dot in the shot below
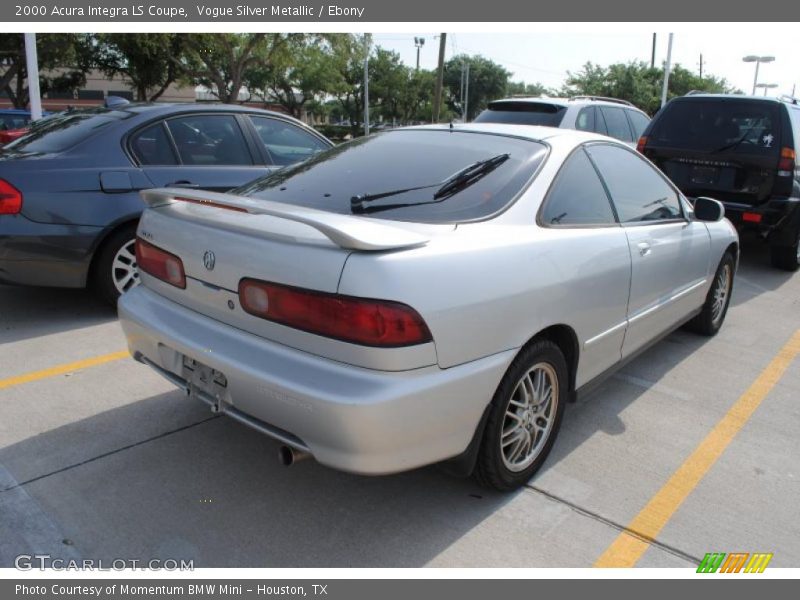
(740, 150)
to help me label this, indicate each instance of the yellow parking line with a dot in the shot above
(630, 545)
(61, 369)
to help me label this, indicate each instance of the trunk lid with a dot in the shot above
(269, 241)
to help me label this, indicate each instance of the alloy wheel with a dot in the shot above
(529, 417)
(124, 272)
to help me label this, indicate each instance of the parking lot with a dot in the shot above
(103, 459)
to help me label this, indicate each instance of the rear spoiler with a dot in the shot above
(346, 231)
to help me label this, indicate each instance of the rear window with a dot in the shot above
(523, 113)
(719, 125)
(64, 132)
(400, 160)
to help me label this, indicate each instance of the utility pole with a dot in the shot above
(437, 95)
(466, 95)
(419, 42)
(653, 54)
(367, 41)
(667, 68)
(32, 64)
(461, 90)
(701, 65)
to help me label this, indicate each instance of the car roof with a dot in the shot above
(749, 97)
(536, 133)
(534, 100)
(166, 108)
(565, 102)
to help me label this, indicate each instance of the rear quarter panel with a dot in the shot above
(487, 288)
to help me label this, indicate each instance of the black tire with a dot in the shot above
(711, 317)
(491, 469)
(786, 257)
(103, 271)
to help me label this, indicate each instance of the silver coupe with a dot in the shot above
(424, 295)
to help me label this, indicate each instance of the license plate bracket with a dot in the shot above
(204, 382)
(703, 175)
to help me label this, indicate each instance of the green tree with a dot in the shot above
(388, 78)
(300, 74)
(63, 64)
(220, 61)
(487, 81)
(520, 88)
(638, 83)
(415, 96)
(146, 59)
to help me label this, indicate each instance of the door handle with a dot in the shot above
(644, 248)
(183, 184)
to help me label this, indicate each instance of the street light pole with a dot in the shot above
(767, 86)
(758, 60)
(466, 95)
(367, 41)
(32, 64)
(419, 42)
(755, 79)
(667, 68)
(437, 94)
(653, 54)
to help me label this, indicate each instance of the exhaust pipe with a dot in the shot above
(287, 455)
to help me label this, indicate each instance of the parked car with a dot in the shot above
(69, 190)
(14, 123)
(424, 294)
(742, 151)
(608, 116)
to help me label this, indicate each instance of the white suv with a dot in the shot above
(608, 116)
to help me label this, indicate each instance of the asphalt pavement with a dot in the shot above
(100, 458)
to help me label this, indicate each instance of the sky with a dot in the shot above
(546, 56)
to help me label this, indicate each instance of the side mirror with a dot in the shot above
(708, 209)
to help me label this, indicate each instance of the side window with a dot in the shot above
(577, 196)
(286, 143)
(637, 190)
(209, 140)
(151, 146)
(616, 123)
(585, 120)
(600, 123)
(638, 122)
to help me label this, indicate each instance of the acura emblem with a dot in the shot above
(209, 260)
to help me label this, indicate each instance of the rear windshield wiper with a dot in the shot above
(453, 184)
(734, 145)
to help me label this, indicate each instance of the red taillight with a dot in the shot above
(10, 199)
(786, 163)
(751, 217)
(641, 144)
(357, 320)
(160, 263)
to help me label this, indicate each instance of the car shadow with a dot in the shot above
(755, 275)
(29, 312)
(212, 490)
(161, 477)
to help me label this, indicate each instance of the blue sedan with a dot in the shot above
(69, 190)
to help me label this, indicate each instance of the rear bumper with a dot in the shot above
(775, 218)
(56, 255)
(350, 418)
